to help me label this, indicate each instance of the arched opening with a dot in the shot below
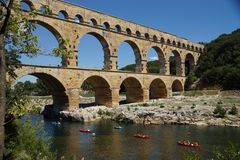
(174, 43)
(118, 28)
(189, 63)
(147, 37)
(132, 89)
(188, 46)
(128, 31)
(48, 41)
(46, 88)
(126, 60)
(177, 87)
(26, 5)
(138, 34)
(63, 15)
(183, 45)
(93, 52)
(178, 44)
(156, 61)
(95, 91)
(175, 63)
(168, 41)
(192, 47)
(162, 40)
(78, 19)
(157, 89)
(106, 26)
(196, 48)
(93, 22)
(155, 39)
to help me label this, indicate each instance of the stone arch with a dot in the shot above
(168, 41)
(162, 40)
(28, 3)
(55, 32)
(55, 87)
(177, 86)
(138, 34)
(106, 25)
(155, 39)
(174, 43)
(128, 31)
(118, 28)
(133, 88)
(64, 14)
(157, 89)
(138, 57)
(78, 18)
(161, 59)
(102, 89)
(146, 35)
(184, 45)
(105, 46)
(175, 63)
(189, 63)
(188, 46)
(196, 48)
(179, 44)
(93, 22)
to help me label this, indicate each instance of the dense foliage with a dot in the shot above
(220, 65)
(32, 89)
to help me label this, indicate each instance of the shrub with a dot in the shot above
(100, 112)
(162, 106)
(234, 110)
(219, 111)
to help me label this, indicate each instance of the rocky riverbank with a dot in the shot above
(176, 110)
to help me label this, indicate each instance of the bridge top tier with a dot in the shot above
(87, 16)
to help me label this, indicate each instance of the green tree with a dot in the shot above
(16, 37)
(220, 65)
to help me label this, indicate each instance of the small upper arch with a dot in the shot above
(118, 28)
(155, 39)
(93, 22)
(147, 37)
(138, 34)
(27, 5)
(63, 14)
(128, 31)
(78, 18)
(106, 26)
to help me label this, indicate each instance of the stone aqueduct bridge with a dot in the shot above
(65, 82)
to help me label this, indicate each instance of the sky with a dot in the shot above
(196, 20)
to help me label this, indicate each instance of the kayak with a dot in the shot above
(85, 130)
(143, 136)
(196, 146)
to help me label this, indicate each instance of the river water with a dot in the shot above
(113, 144)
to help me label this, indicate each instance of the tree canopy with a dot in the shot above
(220, 65)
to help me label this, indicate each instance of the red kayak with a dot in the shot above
(85, 130)
(196, 146)
(141, 136)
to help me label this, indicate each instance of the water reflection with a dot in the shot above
(114, 144)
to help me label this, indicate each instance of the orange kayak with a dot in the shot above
(85, 130)
(196, 146)
(143, 136)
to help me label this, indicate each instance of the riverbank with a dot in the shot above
(187, 110)
(195, 108)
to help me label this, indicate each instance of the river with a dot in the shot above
(114, 144)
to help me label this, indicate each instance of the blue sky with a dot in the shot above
(196, 20)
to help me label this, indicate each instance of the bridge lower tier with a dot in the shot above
(64, 84)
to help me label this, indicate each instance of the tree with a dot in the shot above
(16, 37)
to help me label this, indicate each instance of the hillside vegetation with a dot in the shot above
(220, 65)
